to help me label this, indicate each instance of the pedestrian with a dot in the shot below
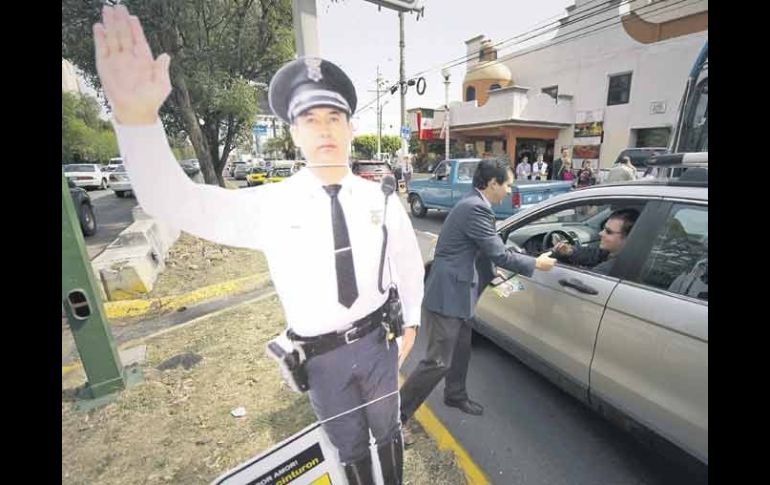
(622, 171)
(540, 169)
(586, 176)
(467, 251)
(330, 290)
(407, 170)
(524, 169)
(556, 165)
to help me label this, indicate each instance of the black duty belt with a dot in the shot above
(320, 344)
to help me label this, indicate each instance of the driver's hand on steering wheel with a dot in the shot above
(563, 248)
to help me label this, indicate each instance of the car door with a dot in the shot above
(554, 320)
(651, 360)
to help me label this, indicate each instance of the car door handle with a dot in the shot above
(578, 285)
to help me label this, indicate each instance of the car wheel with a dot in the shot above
(87, 220)
(120, 193)
(103, 186)
(417, 207)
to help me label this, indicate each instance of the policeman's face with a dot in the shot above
(498, 192)
(323, 134)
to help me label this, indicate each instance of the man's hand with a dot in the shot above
(134, 84)
(545, 262)
(563, 248)
(407, 341)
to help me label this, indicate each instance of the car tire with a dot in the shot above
(417, 207)
(120, 193)
(103, 185)
(87, 219)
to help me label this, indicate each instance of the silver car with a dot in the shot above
(632, 343)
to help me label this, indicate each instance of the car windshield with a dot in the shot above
(257, 170)
(79, 168)
(282, 172)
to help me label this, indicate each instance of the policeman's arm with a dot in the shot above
(481, 230)
(136, 85)
(405, 261)
(230, 217)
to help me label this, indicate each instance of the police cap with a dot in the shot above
(309, 82)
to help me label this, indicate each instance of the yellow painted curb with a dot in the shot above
(133, 308)
(446, 441)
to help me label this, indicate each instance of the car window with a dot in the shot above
(465, 171)
(580, 226)
(678, 260)
(442, 171)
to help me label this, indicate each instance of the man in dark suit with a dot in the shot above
(468, 248)
(555, 167)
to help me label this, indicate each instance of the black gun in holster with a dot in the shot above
(291, 363)
(394, 320)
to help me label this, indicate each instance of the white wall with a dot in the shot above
(582, 68)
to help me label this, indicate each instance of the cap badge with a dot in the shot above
(314, 68)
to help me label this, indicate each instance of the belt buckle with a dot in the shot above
(347, 336)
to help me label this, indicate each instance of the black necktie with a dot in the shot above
(347, 290)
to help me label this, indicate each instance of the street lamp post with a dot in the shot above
(445, 73)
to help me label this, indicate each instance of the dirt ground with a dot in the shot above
(176, 426)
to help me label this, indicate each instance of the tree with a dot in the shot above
(390, 143)
(365, 146)
(85, 136)
(282, 144)
(221, 51)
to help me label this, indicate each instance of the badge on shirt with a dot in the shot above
(376, 216)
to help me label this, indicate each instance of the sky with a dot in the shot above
(359, 38)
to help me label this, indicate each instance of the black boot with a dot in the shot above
(392, 461)
(359, 472)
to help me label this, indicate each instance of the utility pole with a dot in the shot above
(379, 115)
(402, 81)
(445, 73)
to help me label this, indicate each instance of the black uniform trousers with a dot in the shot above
(349, 376)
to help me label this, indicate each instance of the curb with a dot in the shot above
(134, 308)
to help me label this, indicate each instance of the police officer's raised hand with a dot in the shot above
(545, 262)
(134, 83)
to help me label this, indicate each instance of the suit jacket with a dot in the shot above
(467, 250)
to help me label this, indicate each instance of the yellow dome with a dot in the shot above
(489, 71)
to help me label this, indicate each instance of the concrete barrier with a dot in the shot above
(129, 266)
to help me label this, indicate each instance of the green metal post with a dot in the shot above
(84, 309)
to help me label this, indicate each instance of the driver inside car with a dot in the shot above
(613, 238)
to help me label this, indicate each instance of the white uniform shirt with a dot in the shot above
(291, 223)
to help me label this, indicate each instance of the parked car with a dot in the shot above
(452, 179)
(241, 170)
(190, 167)
(87, 175)
(83, 208)
(256, 176)
(120, 183)
(371, 169)
(234, 166)
(631, 344)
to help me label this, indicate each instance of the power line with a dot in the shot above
(574, 35)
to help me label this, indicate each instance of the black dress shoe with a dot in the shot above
(467, 406)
